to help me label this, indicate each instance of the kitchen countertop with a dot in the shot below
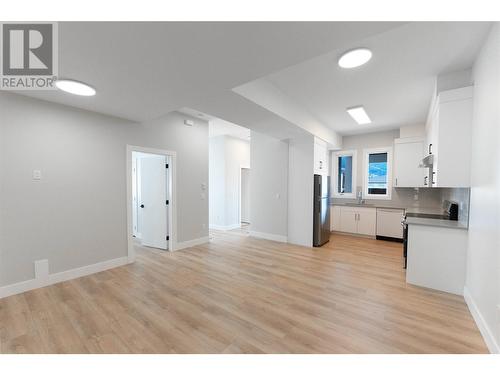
(436, 222)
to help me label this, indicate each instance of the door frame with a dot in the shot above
(242, 166)
(172, 197)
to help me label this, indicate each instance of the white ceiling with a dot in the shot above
(144, 70)
(395, 87)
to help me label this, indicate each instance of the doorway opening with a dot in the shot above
(229, 178)
(150, 192)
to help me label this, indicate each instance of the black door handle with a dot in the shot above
(142, 206)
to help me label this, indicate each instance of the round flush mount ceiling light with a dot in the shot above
(354, 58)
(75, 87)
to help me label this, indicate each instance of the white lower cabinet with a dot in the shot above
(437, 258)
(348, 220)
(335, 218)
(367, 221)
(358, 220)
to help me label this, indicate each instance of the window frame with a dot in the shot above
(366, 154)
(335, 164)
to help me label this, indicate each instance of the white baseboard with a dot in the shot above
(54, 278)
(225, 227)
(488, 336)
(269, 236)
(191, 243)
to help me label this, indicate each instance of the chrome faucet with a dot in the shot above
(360, 197)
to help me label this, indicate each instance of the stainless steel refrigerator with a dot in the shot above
(321, 220)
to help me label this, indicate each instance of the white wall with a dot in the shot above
(217, 182)
(301, 190)
(227, 156)
(268, 186)
(412, 131)
(76, 215)
(483, 257)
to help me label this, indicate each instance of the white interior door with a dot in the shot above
(245, 195)
(153, 201)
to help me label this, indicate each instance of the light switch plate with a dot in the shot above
(37, 174)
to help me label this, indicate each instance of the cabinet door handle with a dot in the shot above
(430, 148)
(396, 181)
(425, 180)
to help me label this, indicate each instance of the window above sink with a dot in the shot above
(344, 174)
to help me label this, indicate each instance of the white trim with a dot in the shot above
(224, 227)
(366, 153)
(269, 236)
(172, 207)
(242, 166)
(24, 286)
(335, 166)
(191, 243)
(488, 336)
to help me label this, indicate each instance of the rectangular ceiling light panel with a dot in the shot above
(359, 115)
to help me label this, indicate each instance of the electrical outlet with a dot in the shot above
(41, 269)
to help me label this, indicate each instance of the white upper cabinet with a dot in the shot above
(408, 154)
(449, 130)
(320, 157)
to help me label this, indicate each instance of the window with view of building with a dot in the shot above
(377, 173)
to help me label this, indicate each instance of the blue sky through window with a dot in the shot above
(377, 171)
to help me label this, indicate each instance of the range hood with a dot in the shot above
(427, 162)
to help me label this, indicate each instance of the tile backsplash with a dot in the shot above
(422, 198)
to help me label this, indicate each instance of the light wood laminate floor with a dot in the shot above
(240, 294)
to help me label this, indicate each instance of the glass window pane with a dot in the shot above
(344, 178)
(377, 173)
